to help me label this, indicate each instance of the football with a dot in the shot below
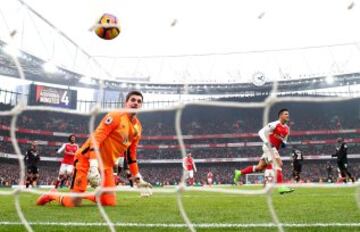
(108, 27)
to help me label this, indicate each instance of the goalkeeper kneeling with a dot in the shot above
(118, 131)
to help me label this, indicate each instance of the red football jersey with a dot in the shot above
(69, 152)
(278, 130)
(188, 163)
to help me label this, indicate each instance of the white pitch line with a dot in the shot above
(201, 225)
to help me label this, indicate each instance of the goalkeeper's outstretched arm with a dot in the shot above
(133, 165)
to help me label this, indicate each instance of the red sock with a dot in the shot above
(247, 170)
(279, 176)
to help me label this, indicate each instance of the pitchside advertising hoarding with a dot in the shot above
(51, 96)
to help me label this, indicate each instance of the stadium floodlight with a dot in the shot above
(86, 80)
(329, 79)
(11, 50)
(50, 67)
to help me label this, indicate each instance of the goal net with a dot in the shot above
(254, 178)
(204, 124)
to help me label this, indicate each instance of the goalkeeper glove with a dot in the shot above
(144, 186)
(283, 144)
(94, 177)
(141, 183)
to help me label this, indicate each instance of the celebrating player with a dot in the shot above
(342, 162)
(117, 132)
(32, 159)
(274, 135)
(67, 163)
(189, 168)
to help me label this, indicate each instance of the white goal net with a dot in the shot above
(275, 96)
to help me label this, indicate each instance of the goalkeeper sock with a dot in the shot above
(108, 199)
(66, 201)
(248, 169)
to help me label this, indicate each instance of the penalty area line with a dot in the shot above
(200, 225)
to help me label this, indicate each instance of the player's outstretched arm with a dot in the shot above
(61, 149)
(264, 135)
(133, 165)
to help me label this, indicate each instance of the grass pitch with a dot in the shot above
(306, 209)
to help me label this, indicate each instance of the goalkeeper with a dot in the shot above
(117, 132)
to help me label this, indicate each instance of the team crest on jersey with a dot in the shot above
(108, 120)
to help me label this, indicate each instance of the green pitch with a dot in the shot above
(206, 210)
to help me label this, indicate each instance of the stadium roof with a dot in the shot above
(184, 41)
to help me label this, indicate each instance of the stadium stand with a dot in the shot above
(224, 135)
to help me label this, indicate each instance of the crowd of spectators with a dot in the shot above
(169, 174)
(205, 119)
(196, 120)
(10, 173)
(201, 153)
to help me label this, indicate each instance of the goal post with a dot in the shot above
(254, 178)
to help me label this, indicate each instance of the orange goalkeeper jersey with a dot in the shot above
(116, 134)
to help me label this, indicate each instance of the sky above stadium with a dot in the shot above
(214, 35)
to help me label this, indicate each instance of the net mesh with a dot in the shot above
(272, 99)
